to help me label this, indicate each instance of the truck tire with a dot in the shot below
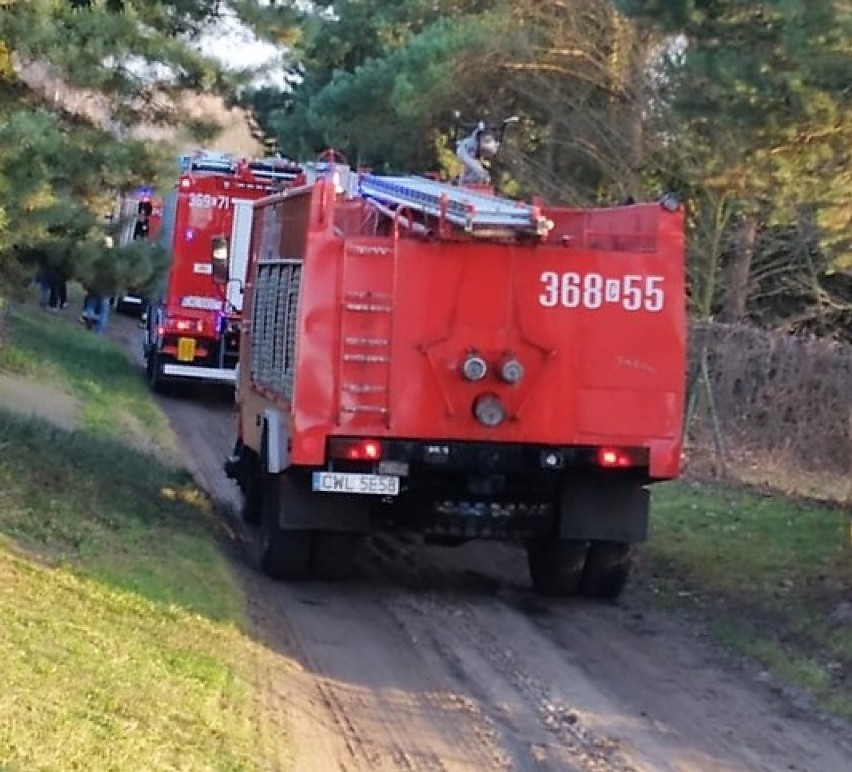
(154, 373)
(251, 510)
(334, 555)
(556, 566)
(280, 554)
(607, 569)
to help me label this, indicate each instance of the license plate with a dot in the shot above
(369, 484)
(186, 349)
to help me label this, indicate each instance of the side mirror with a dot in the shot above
(220, 260)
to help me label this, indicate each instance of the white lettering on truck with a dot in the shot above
(592, 291)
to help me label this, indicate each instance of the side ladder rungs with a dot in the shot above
(364, 388)
(367, 359)
(375, 409)
(368, 308)
(367, 342)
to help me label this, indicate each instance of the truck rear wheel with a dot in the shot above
(244, 467)
(607, 569)
(251, 510)
(556, 565)
(334, 554)
(154, 373)
(280, 553)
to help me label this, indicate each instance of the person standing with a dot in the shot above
(481, 144)
(58, 287)
(42, 281)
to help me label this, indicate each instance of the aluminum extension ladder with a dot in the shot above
(465, 208)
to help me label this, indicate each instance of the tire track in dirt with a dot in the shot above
(437, 659)
(643, 686)
(393, 710)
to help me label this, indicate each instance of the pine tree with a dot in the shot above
(76, 78)
(382, 81)
(759, 122)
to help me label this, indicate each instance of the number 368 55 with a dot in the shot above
(592, 290)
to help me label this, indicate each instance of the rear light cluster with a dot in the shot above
(622, 458)
(354, 449)
(173, 324)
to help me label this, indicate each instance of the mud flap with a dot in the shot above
(604, 509)
(301, 508)
(276, 442)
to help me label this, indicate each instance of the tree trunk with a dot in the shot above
(739, 271)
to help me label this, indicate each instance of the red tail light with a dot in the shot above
(352, 449)
(621, 458)
(184, 325)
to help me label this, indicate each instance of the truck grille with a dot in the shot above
(274, 319)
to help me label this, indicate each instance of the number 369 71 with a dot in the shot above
(592, 290)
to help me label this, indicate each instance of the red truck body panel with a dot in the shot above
(204, 209)
(595, 313)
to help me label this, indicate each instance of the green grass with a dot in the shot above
(115, 400)
(773, 575)
(121, 646)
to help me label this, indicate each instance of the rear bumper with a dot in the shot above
(464, 490)
(448, 457)
(193, 372)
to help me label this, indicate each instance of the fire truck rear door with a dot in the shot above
(240, 242)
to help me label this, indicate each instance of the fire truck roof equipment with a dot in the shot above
(478, 213)
(225, 163)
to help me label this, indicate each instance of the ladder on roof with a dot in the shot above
(468, 209)
(224, 163)
(274, 168)
(207, 161)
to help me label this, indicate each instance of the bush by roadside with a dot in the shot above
(784, 406)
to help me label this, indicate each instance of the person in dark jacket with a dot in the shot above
(42, 281)
(57, 281)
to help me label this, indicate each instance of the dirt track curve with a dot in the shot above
(438, 659)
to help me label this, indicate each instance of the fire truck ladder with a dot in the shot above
(477, 213)
(366, 330)
(208, 161)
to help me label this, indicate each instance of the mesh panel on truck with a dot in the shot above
(274, 320)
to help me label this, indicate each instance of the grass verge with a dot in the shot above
(772, 575)
(121, 645)
(115, 401)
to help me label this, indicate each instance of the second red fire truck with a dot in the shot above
(192, 330)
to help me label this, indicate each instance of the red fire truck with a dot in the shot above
(192, 331)
(426, 357)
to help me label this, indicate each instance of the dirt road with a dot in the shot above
(438, 659)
